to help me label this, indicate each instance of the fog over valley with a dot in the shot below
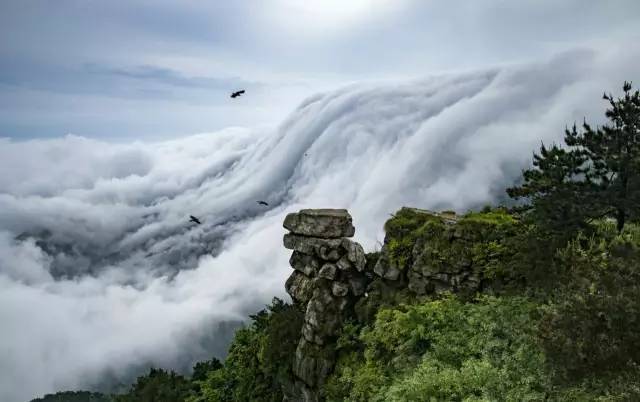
(100, 268)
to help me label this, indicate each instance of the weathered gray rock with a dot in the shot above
(324, 223)
(326, 249)
(417, 283)
(328, 271)
(343, 263)
(339, 289)
(324, 314)
(299, 287)
(310, 334)
(313, 363)
(327, 267)
(328, 253)
(430, 273)
(392, 274)
(386, 271)
(322, 295)
(298, 391)
(441, 287)
(355, 254)
(305, 263)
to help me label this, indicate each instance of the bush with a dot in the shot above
(446, 350)
(260, 358)
(591, 327)
(158, 385)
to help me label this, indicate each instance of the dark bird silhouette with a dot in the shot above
(263, 203)
(237, 93)
(194, 219)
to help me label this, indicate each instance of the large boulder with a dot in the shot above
(324, 223)
(325, 249)
(299, 287)
(307, 264)
(355, 253)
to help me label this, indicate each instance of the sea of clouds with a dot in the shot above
(101, 274)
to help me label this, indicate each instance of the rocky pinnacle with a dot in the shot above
(328, 273)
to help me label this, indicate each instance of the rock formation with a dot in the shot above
(328, 275)
(424, 253)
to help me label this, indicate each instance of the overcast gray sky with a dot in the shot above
(163, 68)
(101, 272)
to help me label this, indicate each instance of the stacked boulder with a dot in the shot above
(328, 277)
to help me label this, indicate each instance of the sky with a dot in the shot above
(116, 125)
(158, 69)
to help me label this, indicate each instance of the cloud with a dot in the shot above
(128, 82)
(101, 273)
(82, 68)
(170, 77)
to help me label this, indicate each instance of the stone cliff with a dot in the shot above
(424, 253)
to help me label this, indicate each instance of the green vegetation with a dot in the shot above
(403, 230)
(259, 361)
(571, 338)
(158, 385)
(597, 174)
(554, 317)
(74, 396)
(447, 350)
(492, 217)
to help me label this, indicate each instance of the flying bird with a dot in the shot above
(263, 203)
(237, 93)
(194, 219)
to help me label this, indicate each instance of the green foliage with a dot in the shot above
(258, 364)
(402, 230)
(447, 350)
(242, 378)
(371, 260)
(158, 385)
(399, 251)
(591, 326)
(557, 190)
(74, 396)
(490, 216)
(201, 369)
(596, 175)
(382, 294)
(407, 220)
(259, 360)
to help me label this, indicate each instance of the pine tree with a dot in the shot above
(596, 175)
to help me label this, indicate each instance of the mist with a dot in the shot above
(101, 273)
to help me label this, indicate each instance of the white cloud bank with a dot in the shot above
(100, 270)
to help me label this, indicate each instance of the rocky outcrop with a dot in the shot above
(323, 223)
(424, 253)
(433, 252)
(328, 276)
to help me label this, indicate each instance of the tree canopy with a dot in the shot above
(595, 175)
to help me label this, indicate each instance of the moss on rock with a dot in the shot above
(437, 252)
